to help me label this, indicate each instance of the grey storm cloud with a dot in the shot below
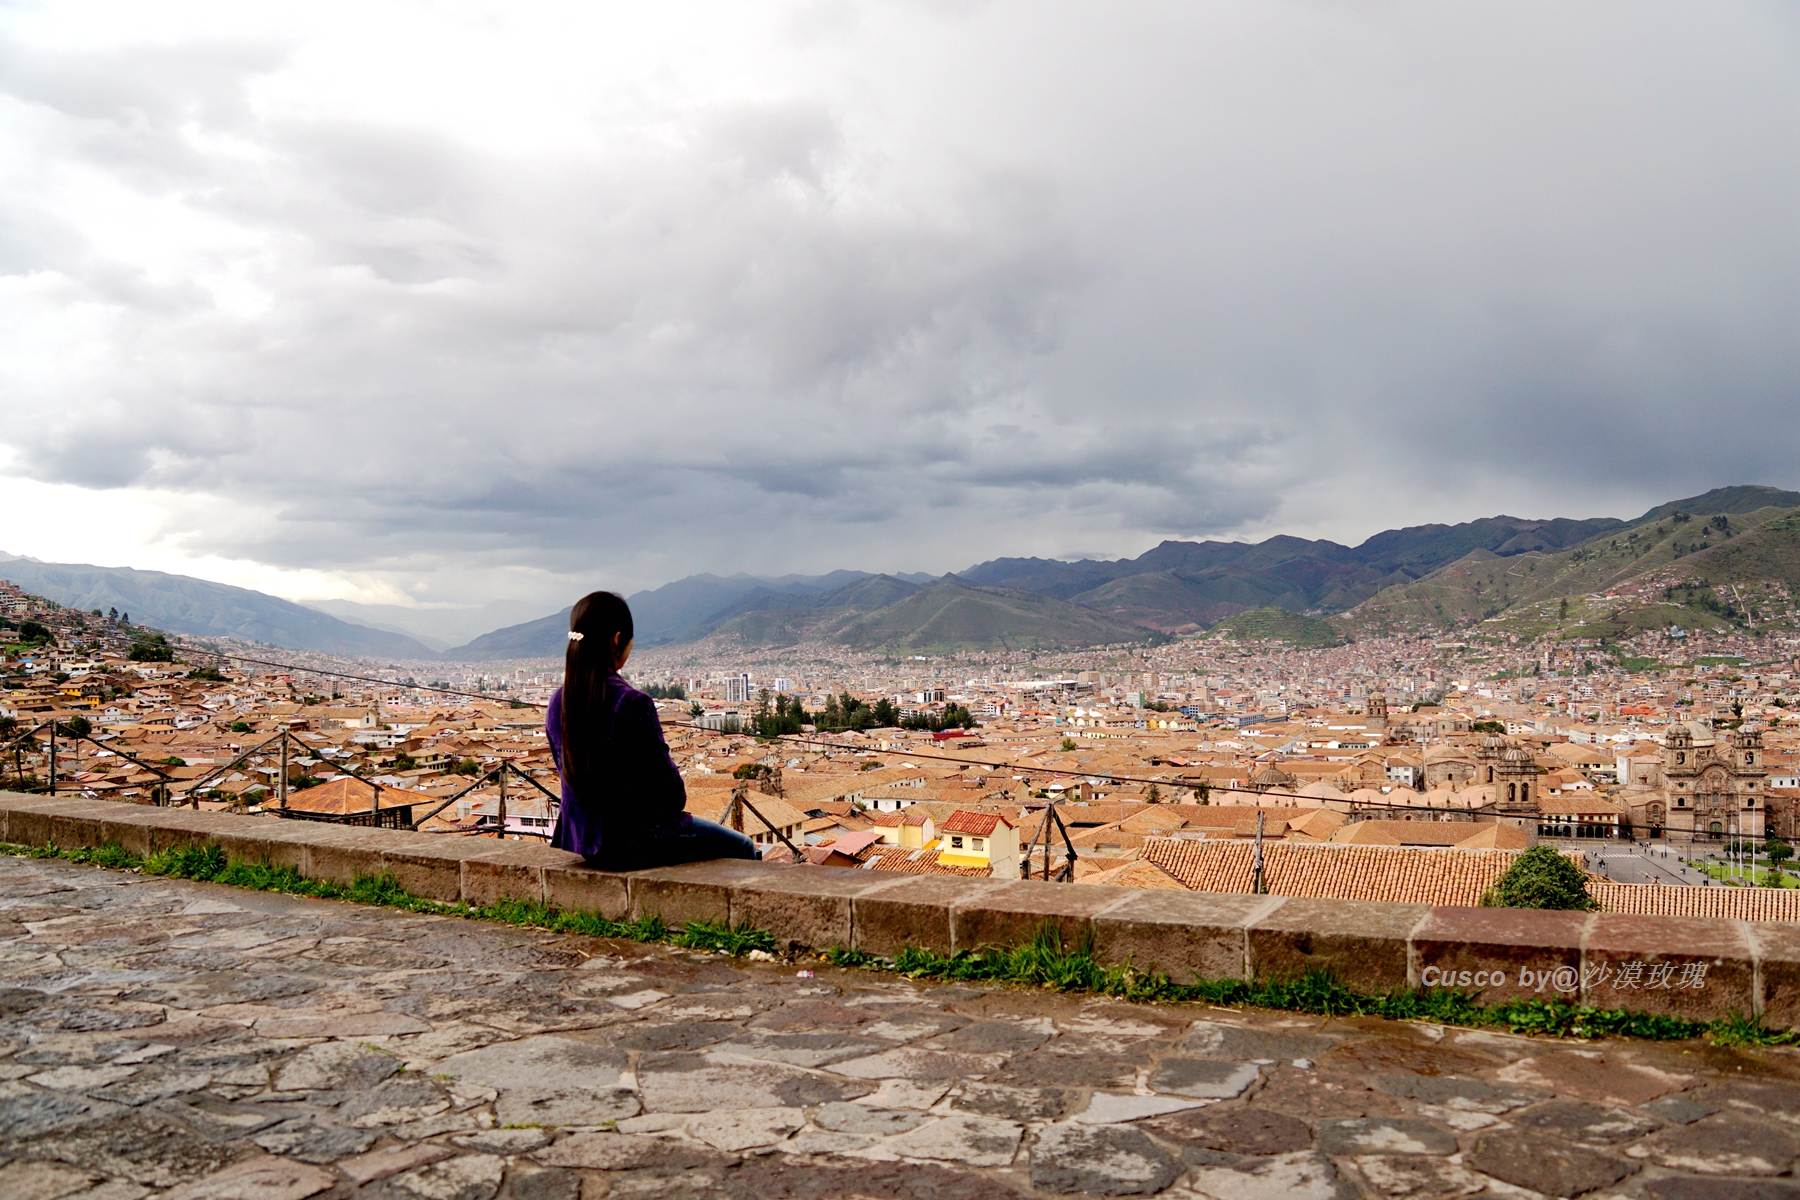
(906, 286)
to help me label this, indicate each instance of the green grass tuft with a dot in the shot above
(1735, 1029)
(726, 939)
(1045, 962)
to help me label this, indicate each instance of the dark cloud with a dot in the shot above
(901, 288)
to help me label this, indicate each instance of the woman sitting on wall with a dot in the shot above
(622, 798)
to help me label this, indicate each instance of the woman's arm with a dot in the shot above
(663, 795)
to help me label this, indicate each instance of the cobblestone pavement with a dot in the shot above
(160, 1037)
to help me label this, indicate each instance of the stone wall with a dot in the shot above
(1700, 968)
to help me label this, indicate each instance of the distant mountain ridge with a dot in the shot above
(180, 604)
(1430, 572)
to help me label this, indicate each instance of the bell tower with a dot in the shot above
(1509, 769)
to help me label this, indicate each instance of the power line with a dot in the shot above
(799, 739)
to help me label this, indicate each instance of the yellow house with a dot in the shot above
(909, 831)
(972, 839)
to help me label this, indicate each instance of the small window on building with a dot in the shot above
(975, 843)
(956, 843)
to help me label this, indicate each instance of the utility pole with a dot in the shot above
(503, 765)
(1256, 861)
(282, 786)
(53, 758)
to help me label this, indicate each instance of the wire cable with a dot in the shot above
(1109, 776)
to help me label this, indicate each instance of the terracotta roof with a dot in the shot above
(1495, 836)
(977, 823)
(1137, 874)
(1339, 872)
(345, 794)
(915, 862)
(1406, 833)
(1731, 903)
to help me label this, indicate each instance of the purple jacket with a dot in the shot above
(642, 797)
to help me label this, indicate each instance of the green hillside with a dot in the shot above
(1279, 625)
(1173, 603)
(1605, 580)
(955, 616)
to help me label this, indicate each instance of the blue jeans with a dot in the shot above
(693, 839)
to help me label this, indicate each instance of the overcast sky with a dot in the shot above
(446, 302)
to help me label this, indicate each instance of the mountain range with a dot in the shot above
(1430, 573)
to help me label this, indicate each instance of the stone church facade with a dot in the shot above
(1706, 786)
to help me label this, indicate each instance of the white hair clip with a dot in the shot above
(575, 637)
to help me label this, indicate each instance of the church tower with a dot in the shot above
(1377, 712)
(1507, 767)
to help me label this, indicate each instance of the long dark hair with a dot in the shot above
(603, 622)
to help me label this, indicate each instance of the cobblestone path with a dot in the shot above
(160, 1037)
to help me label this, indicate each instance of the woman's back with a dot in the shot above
(622, 798)
(640, 792)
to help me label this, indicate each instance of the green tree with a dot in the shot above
(240, 727)
(1153, 795)
(1488, 727)
(1203, 793)
(1540, 878)
(34, 633)
(886, 715)
(752, 771)
(153, 647)
(78, 726)
(1068, 744)
(1778, 851)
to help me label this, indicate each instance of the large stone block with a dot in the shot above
(695, 891)
(129, 825)
(339, 853)
(78, 823)
(1777, 948)
(1692, 967)
(1363, 943)
(1014, 912)
(1500, 952)
(29, 824)
(181, 828)
(501, 870)
(580, 888)
(427, 865)
(803, 905)
(914, 910)
(1188, 936)
(270, 840)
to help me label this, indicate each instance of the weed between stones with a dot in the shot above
(1043, 962)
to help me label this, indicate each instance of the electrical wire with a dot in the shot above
(799, 739)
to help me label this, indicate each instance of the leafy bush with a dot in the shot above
(1540, 878)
